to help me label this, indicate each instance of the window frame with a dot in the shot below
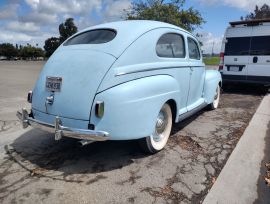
(98, 29)
(197, 44)
(173, 57)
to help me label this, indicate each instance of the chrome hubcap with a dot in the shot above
(161, 123)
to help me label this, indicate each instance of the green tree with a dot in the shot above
(67, 29)
(51, 44)
(31, 52)
(170, 11)
(8, 50)
(259, 13)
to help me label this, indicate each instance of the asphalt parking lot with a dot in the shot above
(36, 169)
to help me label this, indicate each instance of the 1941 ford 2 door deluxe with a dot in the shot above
(121, 81)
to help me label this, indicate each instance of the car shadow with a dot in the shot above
(40, 149)
(183, 123)
(245, 89)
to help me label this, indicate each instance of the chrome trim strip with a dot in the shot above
(191, 112)
(61, 131)
(153, 69)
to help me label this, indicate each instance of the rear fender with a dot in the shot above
(131, 108)
(212, 80)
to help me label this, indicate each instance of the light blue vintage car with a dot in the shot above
(122, 81)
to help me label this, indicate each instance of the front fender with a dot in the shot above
(212, 80)
(131, 108)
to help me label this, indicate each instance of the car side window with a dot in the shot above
(171, 45)
(193, 49)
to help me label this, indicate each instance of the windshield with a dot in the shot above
(92, 37)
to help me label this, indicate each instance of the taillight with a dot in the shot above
(221, 62)
(29, 96)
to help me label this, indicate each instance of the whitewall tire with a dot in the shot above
(161, 133)
(215, 103)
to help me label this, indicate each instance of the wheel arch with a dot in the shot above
(212, 80)
(173, 106)
(129, 102)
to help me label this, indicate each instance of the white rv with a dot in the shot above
(245, 52)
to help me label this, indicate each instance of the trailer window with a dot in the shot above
(237, 46)
(98, 36)
(260, 45)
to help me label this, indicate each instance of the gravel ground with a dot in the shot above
(36, 169)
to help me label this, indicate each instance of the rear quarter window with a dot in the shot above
(193, 49)
(98, 36)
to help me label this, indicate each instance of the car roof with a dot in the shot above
(127, 32)
(138, 25)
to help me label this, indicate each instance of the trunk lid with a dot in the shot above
(81, 72)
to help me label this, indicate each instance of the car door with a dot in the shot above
(259, 65)
(197, 75)
(171, 48)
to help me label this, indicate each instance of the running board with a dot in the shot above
(191, 112)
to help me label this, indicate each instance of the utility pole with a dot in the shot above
(213, 48)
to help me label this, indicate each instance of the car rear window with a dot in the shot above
(171, 45)
(237, 46)
(260, 45)
(92, 37)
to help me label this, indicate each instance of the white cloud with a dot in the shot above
(210, 42)
(246, 5)
(23, 38)
(39, 18)
(22, 27)
(13, 37)
(8, 11)
(114, 9)
(43, 17)
(32, 3)
(67, 6)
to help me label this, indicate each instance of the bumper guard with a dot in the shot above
(59, 130)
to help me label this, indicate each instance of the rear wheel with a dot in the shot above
(160, 136)
(215, 103)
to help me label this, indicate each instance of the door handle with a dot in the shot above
(267, 60)
(191, 68)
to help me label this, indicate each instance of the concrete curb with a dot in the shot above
(238, 180)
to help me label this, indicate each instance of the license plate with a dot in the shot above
(53, 84)
(234, 69)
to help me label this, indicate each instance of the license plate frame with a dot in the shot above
(53, 84)
(234, 69)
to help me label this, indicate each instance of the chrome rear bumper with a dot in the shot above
(61, 131)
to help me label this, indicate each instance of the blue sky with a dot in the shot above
(33, 21)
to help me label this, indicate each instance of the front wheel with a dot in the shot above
(215, 103)
(160, 136)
